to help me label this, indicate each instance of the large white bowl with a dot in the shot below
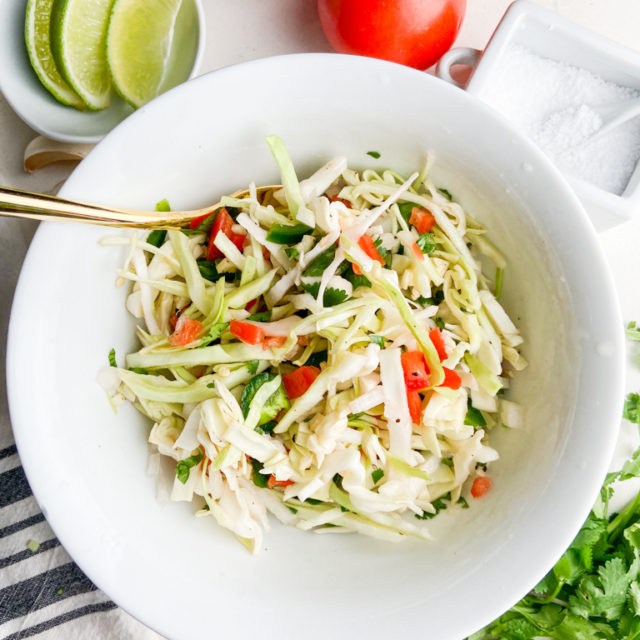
(187, 578)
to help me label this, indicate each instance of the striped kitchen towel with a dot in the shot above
(43, 594)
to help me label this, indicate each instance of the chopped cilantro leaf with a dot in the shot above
(631, 410)
(259, 479)
(405, 210)
(426, 242)
(263, 316)
(379, 340)
(355, 279)
(374, 154)
(633, 331)
(320, 263)
(112, 358)
(439, 323)
(215, 331)
(252, 366)
(156, 237)
(331, 296)
(446, 193)
(139, 370)
(292, 252)
(376, 475)
(474, 418)
(183, 468)
(317, 358)
(163, 205)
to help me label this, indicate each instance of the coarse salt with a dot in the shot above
(556, 104)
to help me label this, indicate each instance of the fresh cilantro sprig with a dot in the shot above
(593, 591)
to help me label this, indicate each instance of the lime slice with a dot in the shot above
(78, 33)
(36, 35)
(139, 43)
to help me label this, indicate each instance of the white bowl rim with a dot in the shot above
(579, 508)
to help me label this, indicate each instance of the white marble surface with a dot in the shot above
(248, 29)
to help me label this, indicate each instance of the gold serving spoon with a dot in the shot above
(37, 206)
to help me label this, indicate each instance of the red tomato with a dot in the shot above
(223, 222)
(415, 369)
(412, 32)
(272, 482)
(186, 331)
(298, 381)
(436, 338)
(367, 244)
(422, 220)
(480, 486)
(415, 406)
(247, 332)
(451, 379)
(273, 342)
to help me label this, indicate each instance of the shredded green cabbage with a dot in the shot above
(343, 378)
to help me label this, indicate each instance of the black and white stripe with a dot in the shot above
(43, 593)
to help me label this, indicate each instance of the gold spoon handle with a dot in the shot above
(24, 204)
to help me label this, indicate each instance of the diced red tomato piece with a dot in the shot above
(298, 381)
(368, 246)
(451, 379)
(196, 222)
(480, 486)
(436, 338)
(335, 198)
(247, 332)
(223, 222)
(416, 251)
(186, 331)
(272, 482)
(422, 220)
(273, 341)
(415, 369)
(415, 406)
(247, 307)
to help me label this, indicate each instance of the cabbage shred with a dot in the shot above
(345, 455)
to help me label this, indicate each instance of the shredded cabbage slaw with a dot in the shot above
(329, 352)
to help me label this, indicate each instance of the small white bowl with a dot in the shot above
(549, 35)
(37, 107)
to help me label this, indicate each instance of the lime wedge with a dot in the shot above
(139, 43)
(36, 35)
(78, 33)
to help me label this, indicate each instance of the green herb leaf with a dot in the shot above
(474, 417)
(163, 205)
(320, 263)
(139, 370)
(405, 210)
(426, 242)
(633, 331)
(183, 468)
(379, 340)
(275, 402)
(331, 296)
(157, 237)
(373, 154)
(215, 331)
(291, 252)
(446, 193)
(252, 366)
(355, 279)
(376, 475)
(631, 410)
(259, 479)
(112, 358)
(317, 358)
(262, 316)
